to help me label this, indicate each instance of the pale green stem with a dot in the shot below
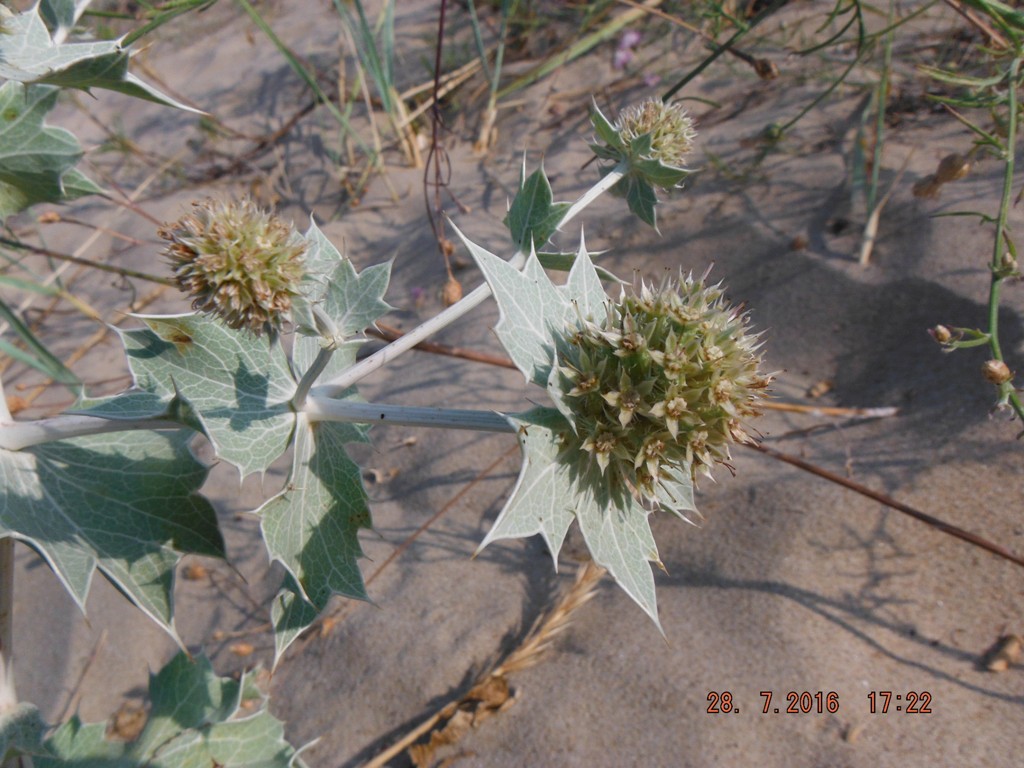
(7, 614)
(356, 412)
(328, 336)
(474, 298)
(17, 435)
(999, 248)
(6, 595)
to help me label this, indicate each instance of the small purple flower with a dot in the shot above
(624, 51)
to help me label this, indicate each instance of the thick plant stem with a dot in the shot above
(8, 695)
(23, 434)
(442, 320)
(356, 412)
(6, 602)
(328, 339)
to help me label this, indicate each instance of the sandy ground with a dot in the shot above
(790, 584)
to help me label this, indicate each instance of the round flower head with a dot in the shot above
(237, 262)
(671, 130)
(660, 386)
(648, 144)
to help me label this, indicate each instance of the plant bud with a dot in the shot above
(941, 334)
(236, 262)
(996, 371)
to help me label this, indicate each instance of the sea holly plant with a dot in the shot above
(647, 387)
(37, 60)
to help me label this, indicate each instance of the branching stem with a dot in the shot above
(351, 411)
(442, 320)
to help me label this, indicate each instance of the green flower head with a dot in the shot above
(237, 262)
(671, 130)
(649, 390)
(661, 384)
(649, 145)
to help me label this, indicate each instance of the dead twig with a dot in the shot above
(888, 501)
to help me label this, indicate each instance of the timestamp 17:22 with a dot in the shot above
(806, 702)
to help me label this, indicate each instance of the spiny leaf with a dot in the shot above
(29, 54)
(196, 721)
(127, 504)
(312, 526)
(605, 130)
(583, 288)
(641, 198)
(533, 218)
(238, 385)
(559, 479)
(543, 500)
(530, 308)
(35, 159)
(290, 615)
(552, 490)
(353, 301)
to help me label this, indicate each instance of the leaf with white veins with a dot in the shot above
(126, 503)
(239, 386)
(312, 526)
(29, 54)
(36, 160)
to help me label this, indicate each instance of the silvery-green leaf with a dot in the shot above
(544, 498)
(36, 160)
(583, 287)
(562, 262)
(553, 488)
(29, 54)
(195, 721)
(126, 503)
(605, 130)
(61, 16)
(532, 309)
(674, 492)
(353, 301)
(619, 538)
(533, 218)
(290, 615)
(583, 290)
(238, 385)
(312, 526)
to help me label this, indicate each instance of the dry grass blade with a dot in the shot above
(553, 623)
(492, 694)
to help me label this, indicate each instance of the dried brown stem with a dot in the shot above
(888, 501)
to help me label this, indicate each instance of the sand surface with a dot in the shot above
(789, 583)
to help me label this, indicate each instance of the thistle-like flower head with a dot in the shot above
(236, 262)
(648, 389)
(649, 144)
(661, 385)
(671, 130)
